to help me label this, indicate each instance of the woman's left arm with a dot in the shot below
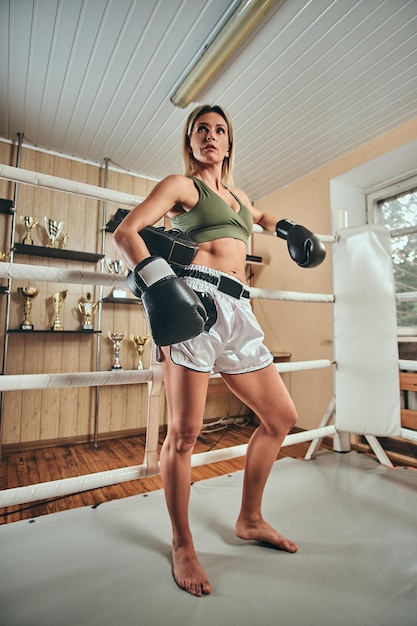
(304, 247)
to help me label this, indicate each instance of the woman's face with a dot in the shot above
(209, 141)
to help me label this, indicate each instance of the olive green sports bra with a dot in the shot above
(212, 218)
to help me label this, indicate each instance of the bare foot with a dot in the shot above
(264, 533)
(188, 573)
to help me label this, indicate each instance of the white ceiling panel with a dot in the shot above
(93, 79)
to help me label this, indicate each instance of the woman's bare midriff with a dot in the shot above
(225, 255)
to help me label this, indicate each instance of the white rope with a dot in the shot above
(42, 273)
(65, 486)
(408, 365)
(298, 366)
(20, 382)
(295, 296)
(406, 433)
(23, 382)
(37, 179)
(324, 238)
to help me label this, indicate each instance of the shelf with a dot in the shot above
(58, 253)
(253, 258)
(54, 332)
(118, 218)
(281, 357)
(6, 206)
(111, 226)
(111, 300)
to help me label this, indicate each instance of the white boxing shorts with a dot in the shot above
(232, 339)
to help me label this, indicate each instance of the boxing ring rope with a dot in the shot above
(153, 376)
(37, 179)
(24, 382)
(43, 273)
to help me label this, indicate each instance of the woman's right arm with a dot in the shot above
(174, 312)
(159, 202)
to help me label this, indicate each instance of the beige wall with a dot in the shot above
(305, 329)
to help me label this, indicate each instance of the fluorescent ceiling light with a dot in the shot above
(236, 29)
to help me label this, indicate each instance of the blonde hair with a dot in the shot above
(190, 164)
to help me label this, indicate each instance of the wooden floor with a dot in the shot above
(23, 468)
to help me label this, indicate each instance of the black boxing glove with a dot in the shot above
(174, 311)
(304, 247)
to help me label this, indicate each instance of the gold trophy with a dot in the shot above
(63, 242)
(29, 222)
(117, 339)
(119, 268)
(58, 300)
(140, 343)
(53, 230)
(29, 293)
(87, 309)
(4, 256)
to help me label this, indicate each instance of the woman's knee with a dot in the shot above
(182, 441)
(283, 421)
(291, 416)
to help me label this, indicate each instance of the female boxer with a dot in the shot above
(202, 320)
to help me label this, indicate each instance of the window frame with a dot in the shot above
(381, 194)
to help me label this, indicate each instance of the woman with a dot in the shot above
(219, 218)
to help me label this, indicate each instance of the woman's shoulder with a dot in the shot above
(180, 189)
(176, 180)
(176, 186)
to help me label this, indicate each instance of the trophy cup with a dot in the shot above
(116, 267)
(58, 300)
(53, 230)
(29, 222)
(64, 241)
(140, 343)
(87, 309)
(28, 293)
(117, 339)
(4, 256)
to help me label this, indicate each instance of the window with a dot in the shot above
(396, 208)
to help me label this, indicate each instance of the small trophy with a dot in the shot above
(140, 343)
(117, 339)
(53, 230)
(29, 222)
(116, 267)
(58, 300)
(63, 242)
(28, 293)
(4, 256)
(87, 309)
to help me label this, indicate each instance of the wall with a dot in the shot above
(305, 329)
(39, 417)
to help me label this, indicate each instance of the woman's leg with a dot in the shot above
(265, 393)
(186, 393)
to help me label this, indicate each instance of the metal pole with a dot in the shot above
(9, 287)
(100, 300)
